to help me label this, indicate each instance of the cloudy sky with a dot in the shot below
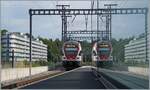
(15, 18)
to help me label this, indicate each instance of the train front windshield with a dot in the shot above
(71, 50)
(104, 51)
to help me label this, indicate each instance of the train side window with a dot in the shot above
(94, 53)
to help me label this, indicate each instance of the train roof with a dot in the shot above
(76, 42)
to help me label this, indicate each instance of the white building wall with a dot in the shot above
(148, 36)
(136, 50)
(20, 44)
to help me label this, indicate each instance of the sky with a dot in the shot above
(15, 18)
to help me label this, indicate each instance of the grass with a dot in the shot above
(133, 64)
(25, 64)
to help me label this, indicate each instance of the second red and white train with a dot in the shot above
(101, 53)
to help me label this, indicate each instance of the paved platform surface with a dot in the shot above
(82, 78)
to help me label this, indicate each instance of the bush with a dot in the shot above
(26, 63)
(39, 63)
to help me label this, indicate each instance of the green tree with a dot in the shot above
(86, 49)
(54, 49)
(118, 48)
(3, 31)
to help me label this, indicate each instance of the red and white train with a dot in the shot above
(101, 53)
(72, 54)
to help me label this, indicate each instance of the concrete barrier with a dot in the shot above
(16, 73)
(139, 70)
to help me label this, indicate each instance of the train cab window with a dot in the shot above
(62, 53)
(80, 53)
(104, 53)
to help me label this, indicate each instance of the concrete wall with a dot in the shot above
(16, 73)
(139, 70)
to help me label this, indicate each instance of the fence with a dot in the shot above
(17, 70)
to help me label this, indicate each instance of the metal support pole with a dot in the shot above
(86, 22)
(30, 59)
(62, 28)
(107, 27)
(65, 28)
(63, 18)
(13, 59)
(146, 38)
(0, 65)
(64, 21)
(97, 21)
(110, 23)
(92, 4)
(109, 20)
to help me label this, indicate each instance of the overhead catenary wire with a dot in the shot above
(73, 18)
(125, 2)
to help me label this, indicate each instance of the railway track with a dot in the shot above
(104, 81)
(108, 83)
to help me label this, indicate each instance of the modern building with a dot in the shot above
(136, 49)
(148, 35)
(15, 44)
